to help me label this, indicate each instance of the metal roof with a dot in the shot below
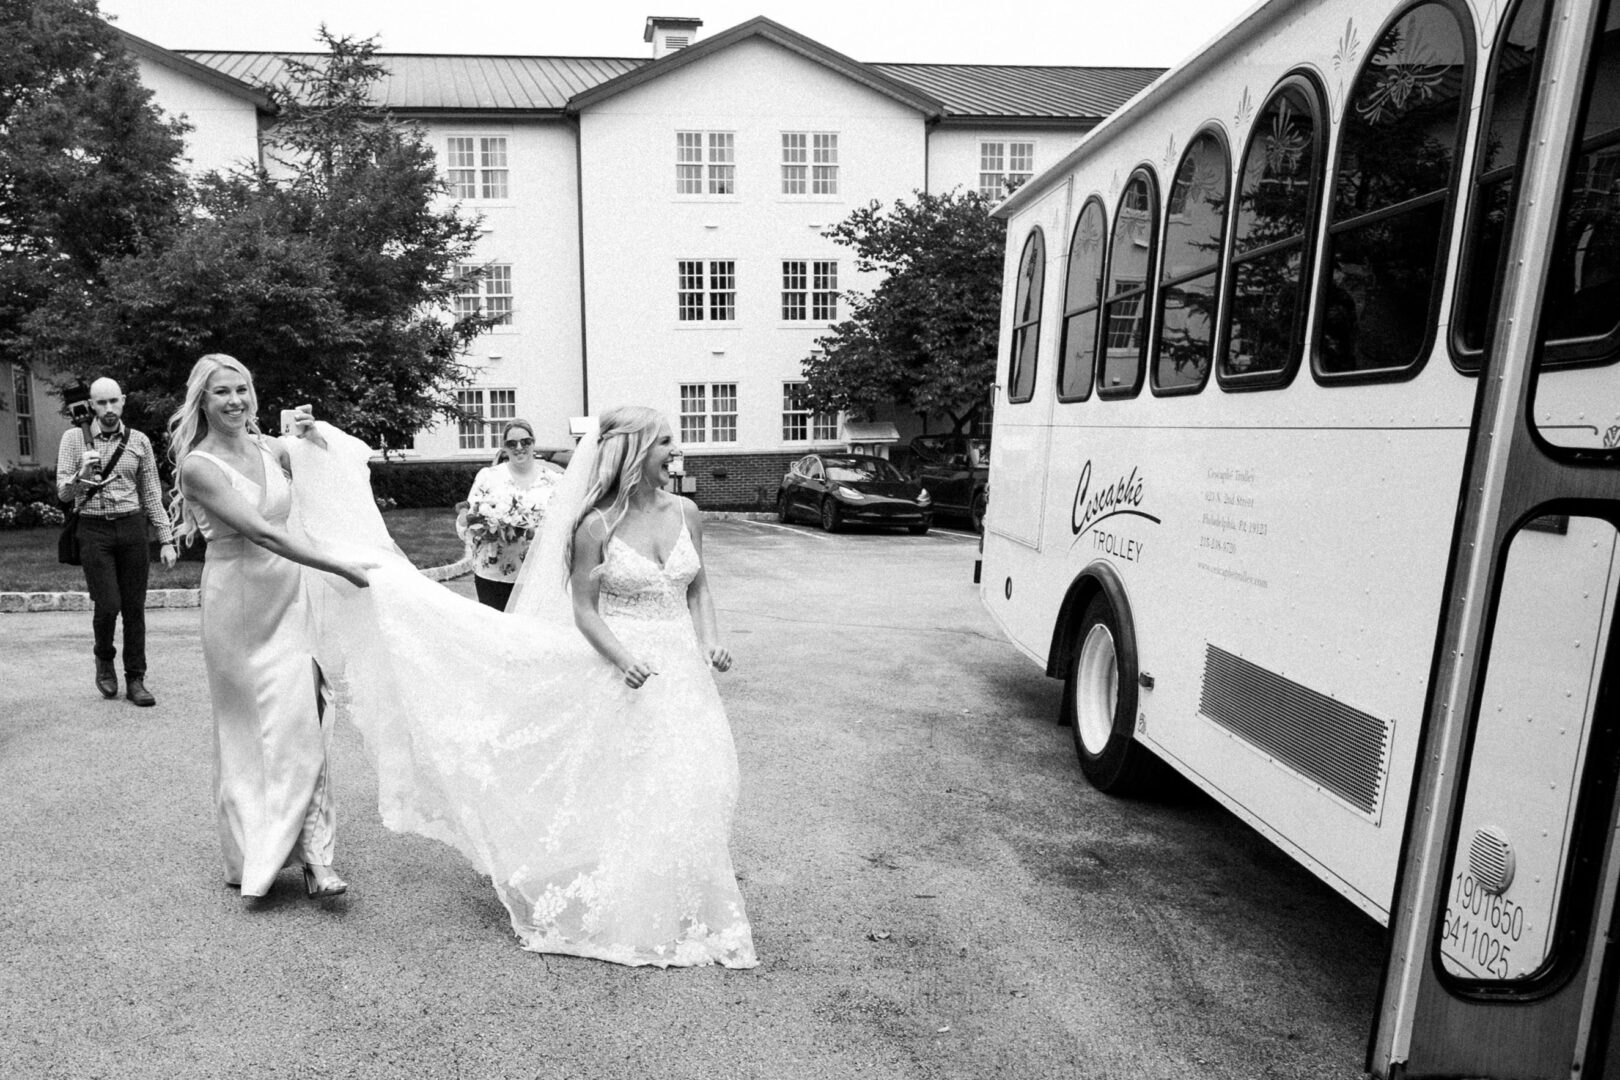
(418, 81)
(421, 81)
(999, 91)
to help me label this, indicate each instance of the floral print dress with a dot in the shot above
(503, 515)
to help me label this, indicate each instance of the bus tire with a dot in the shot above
(1099, 702)
(830, 519)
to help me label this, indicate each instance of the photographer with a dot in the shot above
(109, 473)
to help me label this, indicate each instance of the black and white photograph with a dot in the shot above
(912, 541)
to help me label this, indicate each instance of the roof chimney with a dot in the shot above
(670, 33)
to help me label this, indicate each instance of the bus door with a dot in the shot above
(1500, 962)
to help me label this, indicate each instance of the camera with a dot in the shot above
(77, 400)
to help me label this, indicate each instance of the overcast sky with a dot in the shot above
(1140, 33)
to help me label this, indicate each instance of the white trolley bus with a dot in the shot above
(1304, 483)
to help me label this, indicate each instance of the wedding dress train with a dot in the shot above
(602, 814)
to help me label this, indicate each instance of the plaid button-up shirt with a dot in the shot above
(133, 484)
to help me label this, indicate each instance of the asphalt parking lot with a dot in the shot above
(934, 890)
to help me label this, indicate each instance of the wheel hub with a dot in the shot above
(1097, 689)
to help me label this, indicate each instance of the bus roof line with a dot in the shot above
(1213, 51)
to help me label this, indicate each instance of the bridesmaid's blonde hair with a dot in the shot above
(624, 438)
(189, 426)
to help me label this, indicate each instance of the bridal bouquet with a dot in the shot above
(504, 520)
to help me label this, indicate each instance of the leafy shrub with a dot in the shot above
(28, 484)
(20, 515)
(411, 485)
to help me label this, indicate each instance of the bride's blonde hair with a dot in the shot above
(189, 426)
(624, 437)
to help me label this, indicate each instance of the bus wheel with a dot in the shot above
(1101, 706)
(829, 515)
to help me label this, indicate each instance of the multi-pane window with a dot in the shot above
(490, 292)
(795, 163)
(471, 433)
(1003, 166)
(706, 290)
(795, 290)
(809, 290)
(23, 402)
(476, 166)
(799, 422)
(705, 163)
(809, 163)
(708, 413)
(824, 291)
(502, 408)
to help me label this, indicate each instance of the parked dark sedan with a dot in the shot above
(837, 488)
(956, 471)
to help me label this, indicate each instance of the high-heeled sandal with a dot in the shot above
(335, 886)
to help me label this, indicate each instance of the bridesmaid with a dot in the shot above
(271, 794)
(517, 485)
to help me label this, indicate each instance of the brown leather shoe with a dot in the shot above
(137, 692)
(106, 679)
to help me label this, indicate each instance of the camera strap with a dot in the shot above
(106, 466)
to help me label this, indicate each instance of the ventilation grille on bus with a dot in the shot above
(1342, 749)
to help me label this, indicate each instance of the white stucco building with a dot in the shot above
(654, 224)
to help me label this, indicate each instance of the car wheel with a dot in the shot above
(830, 518)
(1100, 702)
(918, 530)
(782, 514)
(976, 511)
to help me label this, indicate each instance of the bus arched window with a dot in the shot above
(1581, 311)
(1392, 196)
(1580, 320)
(1276, 206)
(1509, 95)
(1129, 286)
(1026, 335)
(1082, 297)
(1190, 280)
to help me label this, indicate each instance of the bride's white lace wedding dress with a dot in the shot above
(602, 814)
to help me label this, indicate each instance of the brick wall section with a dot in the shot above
(738, 481)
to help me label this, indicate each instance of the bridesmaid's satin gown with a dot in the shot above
(271, 796)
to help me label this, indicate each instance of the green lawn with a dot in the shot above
(28, 556)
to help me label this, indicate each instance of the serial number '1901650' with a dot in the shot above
(1480, 927)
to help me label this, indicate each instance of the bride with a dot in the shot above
(574, 748)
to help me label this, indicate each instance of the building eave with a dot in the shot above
(184, 65)
(776, 33)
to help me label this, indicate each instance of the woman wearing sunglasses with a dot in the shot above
(503, 510)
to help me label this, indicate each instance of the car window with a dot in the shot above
(813, 469)
(861, 470)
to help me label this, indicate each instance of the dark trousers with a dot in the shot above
(493, 594)
(116, 565)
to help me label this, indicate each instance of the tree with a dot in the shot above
(89, 170)
(332, 275)
(925, 338)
